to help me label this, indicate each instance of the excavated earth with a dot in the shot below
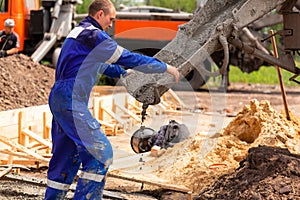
(23, 82)
(266, 173)
(257, 153)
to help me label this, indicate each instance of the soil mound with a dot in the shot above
(198, 162)
(266, 173)
(23, 83)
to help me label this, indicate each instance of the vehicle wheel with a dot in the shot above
(55, 56)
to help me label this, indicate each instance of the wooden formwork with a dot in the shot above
(25, 137)
(25, 133)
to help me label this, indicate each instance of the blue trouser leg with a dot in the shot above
(63, 165)
(96, 156)
(91, 187)
(76, 134)
(92, 147)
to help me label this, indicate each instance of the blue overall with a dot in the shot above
(76, 135)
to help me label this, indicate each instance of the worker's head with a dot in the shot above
(104, 12)
(9, 25)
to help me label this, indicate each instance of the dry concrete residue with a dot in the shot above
(200, 161)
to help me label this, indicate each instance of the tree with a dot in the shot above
(83, 8)
(182, 5)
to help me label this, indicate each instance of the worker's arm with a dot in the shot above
(15, 49)
(145, 64)
(12, 51)
(118, 55)
(111, 70)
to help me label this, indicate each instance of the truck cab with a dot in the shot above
(19, 11)
(147, 29)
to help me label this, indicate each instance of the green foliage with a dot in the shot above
(83, 8)
(105, 80)
(265, 75)
(182, 5)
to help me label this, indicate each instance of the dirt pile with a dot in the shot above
(23, 83)
(198, 162)
(266, 173)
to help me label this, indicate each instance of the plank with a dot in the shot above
(37, 138)
(125, 110)
(174, 95)
(130, 161)
(154, 182)
(14, 153)
(108, 90)
(34, 113)
(21, 148)
(177, 112)
(31, 116)
(23, 162)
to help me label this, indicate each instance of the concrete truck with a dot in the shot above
(43, 26)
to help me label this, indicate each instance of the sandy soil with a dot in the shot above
(202, 102)
(212, 110)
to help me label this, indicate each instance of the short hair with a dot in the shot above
(97, 5)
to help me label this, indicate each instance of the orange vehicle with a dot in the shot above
(147, 29)
(19, 10)
(41, 25)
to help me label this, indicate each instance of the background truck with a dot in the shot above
(218, 27)
(43, 26)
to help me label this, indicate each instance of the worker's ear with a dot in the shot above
(100, 14)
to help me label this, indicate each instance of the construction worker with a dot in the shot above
(9, 40)
(76, 135)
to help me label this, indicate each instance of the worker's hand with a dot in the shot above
(2, 38)
(3, 53)
(173, 71)
(129, 71)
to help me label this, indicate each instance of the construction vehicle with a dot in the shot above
(218, 26)
(41, 25)
(19, 10)
(147, 30)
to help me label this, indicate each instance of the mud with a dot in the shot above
(266, 173)
(12, 190)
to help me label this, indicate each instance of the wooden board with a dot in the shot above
(150, 180)
(23, 149)
(130, 161)
(32, 116)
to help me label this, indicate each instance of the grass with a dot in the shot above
(265, 75)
